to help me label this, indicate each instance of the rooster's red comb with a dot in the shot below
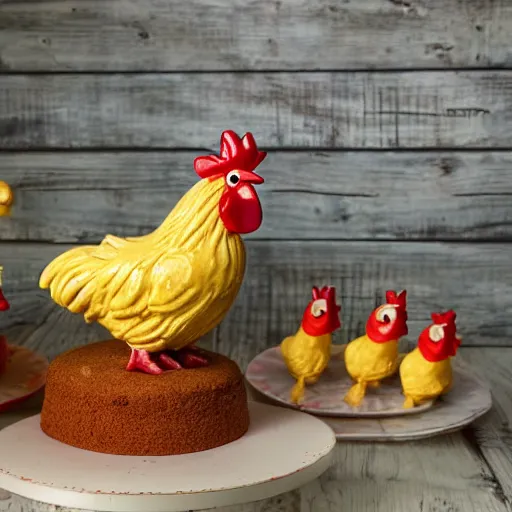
(447, 317)
(235, 153)
(399, 299)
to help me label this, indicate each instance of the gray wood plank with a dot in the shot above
(492, 433)
(470, 109)
(475, 280)
(442, 474)
(307, 195)
(122, 35)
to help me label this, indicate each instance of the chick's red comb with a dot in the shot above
(444, 318)
(4, 305)
(235, 153)
(328, 293)
(323, 293)
(399, 299)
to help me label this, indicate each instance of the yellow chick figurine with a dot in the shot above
(6, 199)
(374, 356)
(426, 372)
(308, 351)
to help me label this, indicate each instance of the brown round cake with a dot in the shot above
(92, 402)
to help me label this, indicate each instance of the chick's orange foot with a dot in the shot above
(159, 362)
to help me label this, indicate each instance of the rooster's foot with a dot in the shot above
(190, 357)
(158, 362)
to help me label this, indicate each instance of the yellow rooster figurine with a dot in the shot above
(308, 351)
(426, 372)
(374, 356)
(6, 199)
(161, 292)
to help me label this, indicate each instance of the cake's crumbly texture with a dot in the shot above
(92, 402)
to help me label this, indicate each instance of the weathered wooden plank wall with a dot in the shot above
(122, 35)
(421, 109)
(308, 194)
(388, 125)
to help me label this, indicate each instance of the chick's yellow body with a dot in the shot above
(368, 363)
(423, 380)
(306, 358)
(6, 199)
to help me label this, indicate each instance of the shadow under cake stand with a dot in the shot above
(268, 460)
(381, 416)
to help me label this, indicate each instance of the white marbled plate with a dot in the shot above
(469, 399)
(267, 373)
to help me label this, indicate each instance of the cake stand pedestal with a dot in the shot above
(282, 450)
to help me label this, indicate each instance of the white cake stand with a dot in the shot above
(282, 450)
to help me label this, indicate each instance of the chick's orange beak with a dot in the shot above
(251, 177)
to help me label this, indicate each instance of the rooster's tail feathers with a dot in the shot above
(70, 278)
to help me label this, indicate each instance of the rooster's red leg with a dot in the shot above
(141, 360)
(168, 362)
(189, 357)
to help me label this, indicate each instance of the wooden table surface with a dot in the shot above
(463, 472)
(389, 134)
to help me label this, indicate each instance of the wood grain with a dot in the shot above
(442, 474)
(491, 434)
(307, 195)
(474, 280)
(466, 109)
(122, 35)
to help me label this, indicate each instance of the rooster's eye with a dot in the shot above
(232, 178)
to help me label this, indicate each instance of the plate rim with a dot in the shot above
(7, 405)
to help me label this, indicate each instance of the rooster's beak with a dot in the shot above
(251, 177)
